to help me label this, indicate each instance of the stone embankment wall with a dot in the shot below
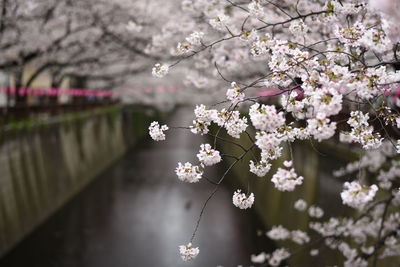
(42, 165)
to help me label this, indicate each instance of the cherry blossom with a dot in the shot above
(234, 94)
(159, 70)
(265, 118)
(356, 195)
(278, 256)
(300, 205)
(315, 211)
(156, 132)
(242, 201)
(278, 233)
(188, 252)
(283, 73)
(188, 172)
(286, 180)
(208, 156)
(260, 168)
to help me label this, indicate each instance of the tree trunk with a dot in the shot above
(54, 85)
(21, 100)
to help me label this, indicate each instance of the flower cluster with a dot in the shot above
(235, 94)
(300, 205)
(278, 256)
(267, 141)
(208, 156)
(159, 70)
(260, 168)
(242, 201)
(230, 120)
(188, 252)
(278, 233)
(356, 195)
(266, 118)
(286, 180)
(274, 259)
(362, 132)
(315, 211)
(156, 132)
(188, 172)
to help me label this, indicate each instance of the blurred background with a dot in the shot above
(81, 185)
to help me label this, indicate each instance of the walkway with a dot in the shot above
(138, 212)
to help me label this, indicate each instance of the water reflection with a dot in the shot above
(137, 213)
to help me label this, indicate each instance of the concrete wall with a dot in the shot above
(43, 166)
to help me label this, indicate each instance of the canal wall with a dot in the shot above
(45, 163)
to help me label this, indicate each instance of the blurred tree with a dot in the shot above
(98, 39)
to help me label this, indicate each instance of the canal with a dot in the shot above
(137, 213)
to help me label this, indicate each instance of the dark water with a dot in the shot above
(137, 213)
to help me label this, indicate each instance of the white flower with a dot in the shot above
(288, 163)
(267, 141)
(200, 127)
(236, 127)
(326, 102)
(376, 40)
(300, 205)
(358, 119)
(248, 36)
(286, 180)
(224, 116)
(181, 48)
(346, 8)
(299, 237)
(361, 131)
(195, 38)
(321, 129)
(266, 118)
(232, 122)
(219, 23)
(260, 258)
(159, 70)
(156, 132)
(188, 172)
(352, 35)
(204, 114)
(271, 154)
(188, 252)
(261, 45)
(355, 262)
(235, 94)
(256, 9)
(260, 168)
(290, 102)
(371, 140)
(242, 201)
(315, 211)
(314, 252)
(356, 195)
(278, 233)
(278, 256)
(208, 156)
(297, 27)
